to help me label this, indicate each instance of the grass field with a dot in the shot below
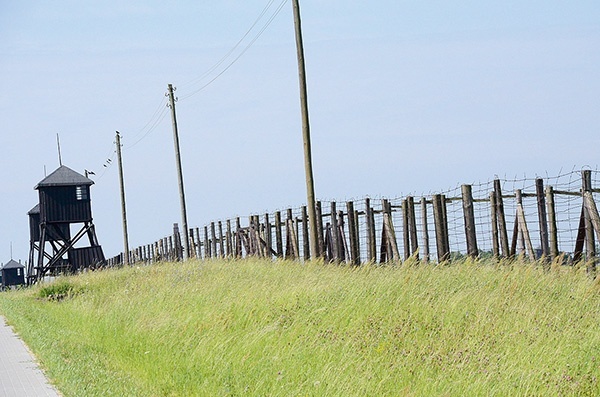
(258, 328)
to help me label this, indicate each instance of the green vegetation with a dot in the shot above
(258, 328)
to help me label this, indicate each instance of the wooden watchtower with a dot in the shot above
(58, 224)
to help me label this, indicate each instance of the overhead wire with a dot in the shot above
(225, 69)
(161, 111)
(153, 123)
(224, 58)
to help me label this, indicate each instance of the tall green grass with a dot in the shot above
(258, 328)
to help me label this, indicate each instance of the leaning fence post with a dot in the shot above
(523, 230)
(388, 235)
(501, 218)
(469, 217)
(412, 227)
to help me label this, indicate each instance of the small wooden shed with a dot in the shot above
(13, 273)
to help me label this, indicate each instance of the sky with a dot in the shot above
(405, 97)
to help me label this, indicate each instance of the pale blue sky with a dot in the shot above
(405, 97)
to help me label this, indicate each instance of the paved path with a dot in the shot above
(20, 376)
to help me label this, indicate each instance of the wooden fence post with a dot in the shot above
(177, 242)
(440, 228)
(268, 237)
(405, 232)
(469, 217)
(412, 228)
(425, 228)
(258, 247)
(278, 235)
(334, 234)
(291, 237)
(389, 245)
(213, 237)
(542, 218)
(206, 243)
(552, 226)
(342, 244)
(371, 243)
(221, 245)
(320, 238)
(352, 233)
(192, 239)
(170, 251)
(357, 236)
(590, 245)
(503, 234)
(239, 244)
(305, 237)
(445, 223)
(229, 239)
(521, 224)
(494, 220)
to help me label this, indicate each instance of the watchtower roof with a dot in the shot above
(64, 176)
(12, 264)
(34, 210)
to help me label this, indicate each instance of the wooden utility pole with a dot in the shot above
(123, 210)
(310, 186)
(186, 239)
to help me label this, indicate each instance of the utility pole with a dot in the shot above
(186, 237)
(310, 185)
(123, 210)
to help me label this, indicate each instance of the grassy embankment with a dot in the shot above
(255, 328)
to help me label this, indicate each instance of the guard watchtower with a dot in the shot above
(58, 223)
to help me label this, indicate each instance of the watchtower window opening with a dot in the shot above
(81, 193)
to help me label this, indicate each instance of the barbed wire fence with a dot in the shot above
(531, 218)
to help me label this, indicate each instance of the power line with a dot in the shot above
(161, 111)
(262, 30)
(152, 122)
(157, 120)
(220, 62)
